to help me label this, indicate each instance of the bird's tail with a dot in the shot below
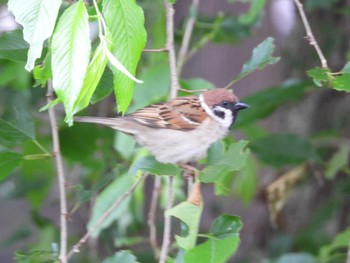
(112, 122)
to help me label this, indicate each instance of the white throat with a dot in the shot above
(226, 121)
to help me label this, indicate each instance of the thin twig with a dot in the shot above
(60, 175)
(152, 216)
(192, 91)
(76, 247)
(309, 35)
(174, 81)
(167, 223)
(156, 50)
(181, 59)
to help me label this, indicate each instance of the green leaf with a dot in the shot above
(93, 75)
(104, 87)
(256, 7)
(275, 96)
(125, 21)
(196, 84)
(342, 82)
(8, 162)
(38, 19)
(125, 145)
(283, 149)
(189, 214)
(155, 86)
(346, 68)
(13, 46)
(221, 244)
(70, 55)
(295, 258)
(261, 57)
(124, 256)
(319, 75)
(43, 73)
(226, 225)
(233, 159)
(245, 182)
(19, 129)
(105, 200)
(35, 256)
(150, 165)
(338, 161)
(336, 249)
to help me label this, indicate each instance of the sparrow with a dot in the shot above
(180, 130)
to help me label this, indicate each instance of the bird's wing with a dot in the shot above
(184, 113)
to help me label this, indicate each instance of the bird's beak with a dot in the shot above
(240, 106)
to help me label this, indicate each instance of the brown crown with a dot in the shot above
(214, 97)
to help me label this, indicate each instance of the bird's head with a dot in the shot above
(222, 105)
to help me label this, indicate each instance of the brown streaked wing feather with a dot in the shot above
(183, 113)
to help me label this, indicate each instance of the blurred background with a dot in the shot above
(298, 132)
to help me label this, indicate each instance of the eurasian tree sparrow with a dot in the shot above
(180, 130)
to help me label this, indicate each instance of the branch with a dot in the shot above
(182, 57)
(309, 35)
(76, 247)
(60, 175)
(156, 50)
(174, 81)
(167, 223)
(152, 216)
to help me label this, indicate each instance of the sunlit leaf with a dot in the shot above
(70, 55)
(125, 21)
(8, 162)
(38, 19)
(189, 214)
(124, 256)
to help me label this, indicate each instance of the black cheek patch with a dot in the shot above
(220, 114)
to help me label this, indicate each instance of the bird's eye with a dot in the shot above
(224, 103)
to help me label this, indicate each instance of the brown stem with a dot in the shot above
(156, 50)
(76, 247)
(152, 216)
(182, 57)
(174, 81)
(309, 35)
(60, 175)
(167, 223)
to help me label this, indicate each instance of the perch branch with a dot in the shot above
(167, 223)
(157, 50)
(76, 247)
(60, 175)
(182, 57)
(309, 35)
(152, 216)
(174, 81)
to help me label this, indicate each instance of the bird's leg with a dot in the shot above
(190, 173)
